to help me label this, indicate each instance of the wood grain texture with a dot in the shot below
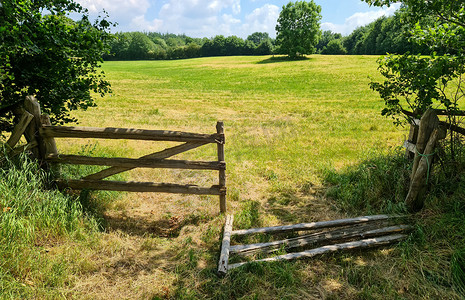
(225, 245)
(128, 133)
(136, 162)
(315, 225)
(362, 244)
(131, 186)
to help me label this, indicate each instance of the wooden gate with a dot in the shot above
(41, 139)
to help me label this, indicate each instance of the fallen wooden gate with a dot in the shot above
(41, 137)
(330, 236)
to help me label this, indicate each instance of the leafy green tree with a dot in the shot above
(234, 45)
(264, 48)
(334, 47)
(326, 37)
(141, 47)
(419, 82)
(44, 53)
(258, 37)
(298, 28)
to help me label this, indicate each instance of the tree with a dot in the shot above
(419, 82)
(326, 37)
(298, 28)
(334, 47)
(46, 54)
(258, 37)
(140, 47)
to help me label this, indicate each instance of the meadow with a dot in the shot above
(293, 129)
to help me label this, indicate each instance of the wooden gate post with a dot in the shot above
(222, 171)
(32, 131)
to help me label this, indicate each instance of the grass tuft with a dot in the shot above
(32, 222)
(378, 184)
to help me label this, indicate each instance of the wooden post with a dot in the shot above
(224, 255)
(414, 199)
(222, 172)
(50, 146)
(429, 121)
(32, 131)
(19, 129)
(412, 137)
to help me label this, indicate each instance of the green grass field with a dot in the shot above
(292, 127)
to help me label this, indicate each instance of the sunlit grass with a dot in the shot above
(295, 118)
(291, 127)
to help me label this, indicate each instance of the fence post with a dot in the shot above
(50, 146)
(32, 131)
(222, 172)
(412, 137)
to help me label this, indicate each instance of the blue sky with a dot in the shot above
(207, 18)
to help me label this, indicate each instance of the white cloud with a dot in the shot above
(359, 19)
(139, 23)
(122, 11)
(261, 19)
(199, 18)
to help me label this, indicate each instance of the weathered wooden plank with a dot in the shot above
(136, 162)
(106, 185)
(128, 133)
(362, 244)
(409, 146)
(447, 125)
(224, 254)
(32, 131)
(337, 235)
(428, 122)
(315, 225)
(50, 147)
(222, 173)
(19, 129)
(418, 182)
(158, 155)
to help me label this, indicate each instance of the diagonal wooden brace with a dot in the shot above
(158, 155)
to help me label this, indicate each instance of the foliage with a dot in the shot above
(152, 45)
(298, 28)
(421, 82)
(334, 47)
(326, 37)
(384, 35)
(417, 82)
(44, 53)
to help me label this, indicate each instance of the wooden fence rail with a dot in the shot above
(41, 138)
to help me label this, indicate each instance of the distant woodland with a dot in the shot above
(385, 35)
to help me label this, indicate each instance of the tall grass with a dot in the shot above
(32, 221)
(433, 256)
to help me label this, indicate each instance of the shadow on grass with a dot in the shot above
(278, 59)
(141, 226)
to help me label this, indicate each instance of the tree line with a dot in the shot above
(385, 35)
(153, 45)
